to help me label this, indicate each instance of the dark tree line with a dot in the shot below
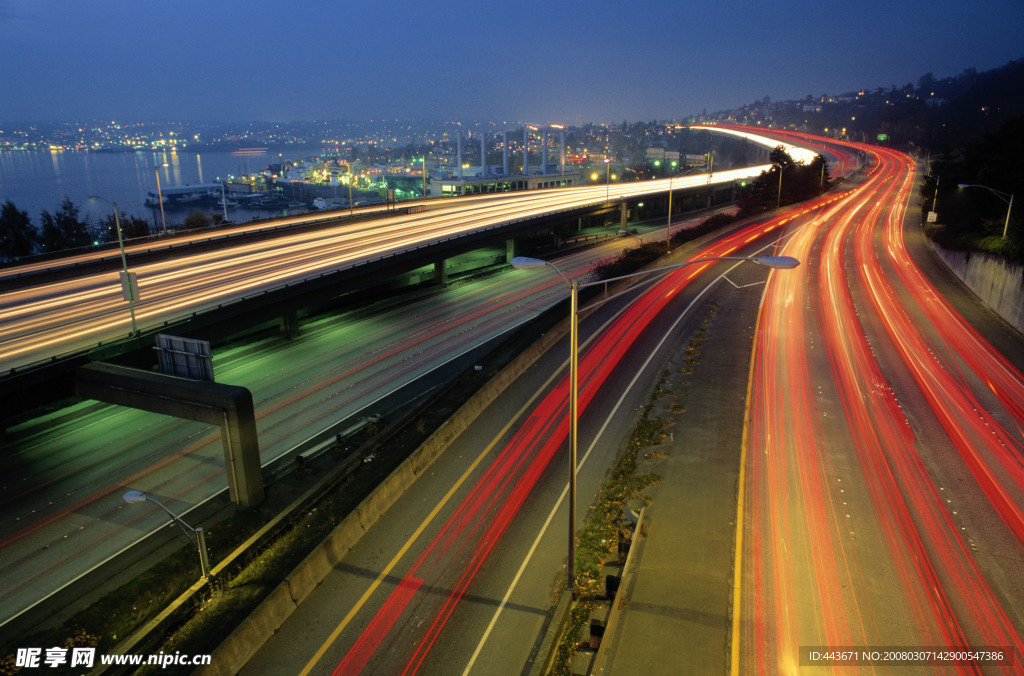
(974, 218)
(786, 182)
(58, 231)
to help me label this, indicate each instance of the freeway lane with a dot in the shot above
(61, 485)
(62, 481)
(884, 453)
(51, 319)
(401, 602)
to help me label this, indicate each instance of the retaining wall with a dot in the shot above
(999, 284)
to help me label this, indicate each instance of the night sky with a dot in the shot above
(541, 62)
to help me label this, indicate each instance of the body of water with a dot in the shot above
(39, 180)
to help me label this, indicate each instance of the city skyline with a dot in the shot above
(571, 63)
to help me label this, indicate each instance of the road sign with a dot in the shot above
(129, 286)
(184, 357)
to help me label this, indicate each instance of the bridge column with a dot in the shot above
(289, 324)
(623, 215)
(440, 273)
(510, 249)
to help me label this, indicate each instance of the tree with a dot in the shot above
(196, 220)
(64, 230)
(17, 236)
(131, 226)
(798, 182)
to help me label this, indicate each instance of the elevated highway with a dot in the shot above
(240, 274)
(58, 314)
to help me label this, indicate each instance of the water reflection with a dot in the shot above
(39, 180)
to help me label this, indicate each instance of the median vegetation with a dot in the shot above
(598, 541)
(636, 258)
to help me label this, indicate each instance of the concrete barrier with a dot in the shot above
(236, 650)
(999, 284)
(304, 579)
(233, 653)
(629, 571)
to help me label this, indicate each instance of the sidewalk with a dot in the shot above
(674, 613)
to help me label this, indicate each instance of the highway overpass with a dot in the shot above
(59, 314)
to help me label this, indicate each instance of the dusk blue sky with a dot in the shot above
(571, 62)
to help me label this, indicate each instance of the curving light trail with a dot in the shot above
(852, 540)
(400, 635)
(50, 319)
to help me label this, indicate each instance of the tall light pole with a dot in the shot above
(607, 178)
(668, 225)
(350, 209)
(524, 263)
(778, 201)
(128, 279)
(1005, 196)
(160, 196)
(195, 535)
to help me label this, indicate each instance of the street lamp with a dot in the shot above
(778, 202)
(607, 177)
(160, 195)
(424, 175)
(668, 224)
(524, 263)
(626, 233)
(998, 193)
(195, 535)
(350, 207)
(128, 283)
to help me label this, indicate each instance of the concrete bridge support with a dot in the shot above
(230, 407)
(440, 273)
(289, 324)
(623, 215)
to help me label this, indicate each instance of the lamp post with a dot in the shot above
(607, 178)
(626, 233)
(778, 201)
(1005, 196)
(524, 263)
(127, 278)
(195, 535)
(160, 196)
(350, 208)
(668, 224)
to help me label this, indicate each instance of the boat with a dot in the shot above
(185, 196)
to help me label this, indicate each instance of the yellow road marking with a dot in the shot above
(737, 581)
(419, 531)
